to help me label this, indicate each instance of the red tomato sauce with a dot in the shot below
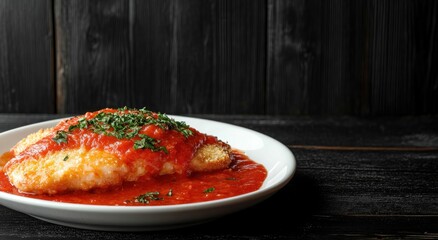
(179, 148)
(242, 177)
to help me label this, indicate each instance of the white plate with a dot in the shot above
(277, 159)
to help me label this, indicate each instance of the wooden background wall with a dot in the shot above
(288, 57)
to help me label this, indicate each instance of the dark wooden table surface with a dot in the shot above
(370, 178)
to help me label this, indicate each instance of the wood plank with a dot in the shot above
(162, 57)
(356, 58)
(391, 57)
(352, 183)
(292, 226)
(26, 47)
(425, 38)
(403, 79)
(11, 121)
(316, 57)
(153, 74)
(365, 148)
(200, 56)
(93, 55)
(289, 56)
(343, 131)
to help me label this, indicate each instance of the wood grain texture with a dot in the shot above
(172, 56)
(297, 226)
(392, 57)
(380, 183)
(288, 58)
(352, 57)
(426, 56)
(334, 57)
(200, 56)
(93, 55)
(26, 50)
(315, 57)
(154, 50)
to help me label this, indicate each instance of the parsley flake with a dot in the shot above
(209, 190)
(148, 197)
(60, 137)
(127, 123)
(148, 142)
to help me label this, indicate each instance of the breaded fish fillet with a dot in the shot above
(104, 149)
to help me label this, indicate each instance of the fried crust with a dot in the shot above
(81, 169)
(211, 157)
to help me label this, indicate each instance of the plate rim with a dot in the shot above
(257, 195)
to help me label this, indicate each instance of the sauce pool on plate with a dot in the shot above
(242, 177)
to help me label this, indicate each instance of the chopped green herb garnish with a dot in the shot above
(148, 142)
(82, 123)
(209, 190)
(147, 197)
(65, 158)
(60, 137)
(126, 123)
(167, 123)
